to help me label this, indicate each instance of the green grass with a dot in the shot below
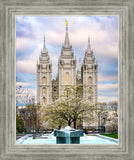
(112, 135)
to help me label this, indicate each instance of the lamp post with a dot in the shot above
(99, 117)
(38, 116)
(28, 122)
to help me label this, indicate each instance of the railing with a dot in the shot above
(93, 129)
(87, 130)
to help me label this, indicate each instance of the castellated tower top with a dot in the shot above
(44, 57)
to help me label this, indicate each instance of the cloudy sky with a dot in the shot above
(103, 32)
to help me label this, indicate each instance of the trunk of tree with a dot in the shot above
(75, 124)
(69, 123)
(59, 127)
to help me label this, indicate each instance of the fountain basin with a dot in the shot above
(68, 136)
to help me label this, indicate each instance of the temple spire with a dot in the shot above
(66, 43)
(89, 46)
(44, 46)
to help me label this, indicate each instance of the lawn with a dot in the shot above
(112, 135)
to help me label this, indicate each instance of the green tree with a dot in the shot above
(19, 124)
(69, 108)
(29, 116)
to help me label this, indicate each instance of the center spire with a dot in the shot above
(89, 46)
(44, 46)
(66, 43)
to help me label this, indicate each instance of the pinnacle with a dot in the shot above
(66, 43)
(44, 46)
(89, 46)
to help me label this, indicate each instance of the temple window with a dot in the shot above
(43, 100)
(44, 91)
(44, 80)
(90, 80)
(67, 78)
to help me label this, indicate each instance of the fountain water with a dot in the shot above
(50, 135)
(85, 136)
(68, 136)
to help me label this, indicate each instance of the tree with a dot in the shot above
(24, 95)
(113, 103)
(19, 124)
(112, 120)
(69, 108)
(19, 91)
(29, 116)
(102, 113)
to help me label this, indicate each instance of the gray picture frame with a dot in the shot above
(124, 9)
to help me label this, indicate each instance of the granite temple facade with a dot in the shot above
(49, 90)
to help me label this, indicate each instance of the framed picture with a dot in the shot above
(14, 67)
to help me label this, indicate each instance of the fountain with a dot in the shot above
(68, 136)
(50, 136)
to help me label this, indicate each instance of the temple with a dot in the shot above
(49, 90)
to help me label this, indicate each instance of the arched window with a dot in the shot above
(43, 100)
(90, 90)
(67, 78)
(44, 91)
(44, 80)
(90, 80)
(103, 120)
